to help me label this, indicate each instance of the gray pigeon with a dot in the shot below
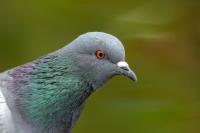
(48, 94)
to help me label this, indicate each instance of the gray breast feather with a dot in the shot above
(10, 122)
(6, 121)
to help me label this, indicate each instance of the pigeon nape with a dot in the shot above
(48, 94)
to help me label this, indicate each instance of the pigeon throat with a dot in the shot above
(49, 97)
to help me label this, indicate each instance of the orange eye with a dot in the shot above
(100, 54)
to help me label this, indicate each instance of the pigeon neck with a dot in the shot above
(49, 95)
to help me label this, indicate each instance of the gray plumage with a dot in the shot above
(48, 94)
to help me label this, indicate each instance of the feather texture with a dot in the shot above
(44, 96)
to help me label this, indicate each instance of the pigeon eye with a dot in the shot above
(100, 54)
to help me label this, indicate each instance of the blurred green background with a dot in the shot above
(162, 41)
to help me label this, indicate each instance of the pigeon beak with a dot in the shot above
(126, 71)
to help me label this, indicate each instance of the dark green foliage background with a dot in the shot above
(162, 41)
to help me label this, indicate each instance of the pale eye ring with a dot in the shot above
(100, 54)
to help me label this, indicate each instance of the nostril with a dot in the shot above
(123, 65)
(124, 68)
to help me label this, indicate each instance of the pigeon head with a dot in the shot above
(98, 57)
(48, 94)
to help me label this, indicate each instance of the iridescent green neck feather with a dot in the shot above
(50, 93)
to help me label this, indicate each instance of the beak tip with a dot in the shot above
(133, 77)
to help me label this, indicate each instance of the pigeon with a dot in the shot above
(48, 94)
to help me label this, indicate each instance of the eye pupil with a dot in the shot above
(100, 54)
